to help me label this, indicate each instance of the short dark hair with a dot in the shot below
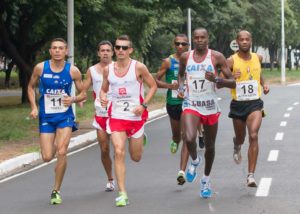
(105, 42)
(243, 31)
(182, 35)
(58, 40)
(200, 28)
(125, 38)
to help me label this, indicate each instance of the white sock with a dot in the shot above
(205, 178)
(196, 161)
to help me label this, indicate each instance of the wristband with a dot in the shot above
(144, 105)
(74, 99)
(218, 79)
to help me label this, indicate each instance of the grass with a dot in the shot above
(274, 76)
(15, 125)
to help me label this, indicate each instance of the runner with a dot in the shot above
(246, 108)
(169, 69)
(198, 68)
(94, 76)
(56, 118)
(128, 108)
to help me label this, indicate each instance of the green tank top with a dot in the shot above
(171, 76)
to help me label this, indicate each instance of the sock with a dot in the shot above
(196, 161)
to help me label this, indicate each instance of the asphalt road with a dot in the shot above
(151, 183)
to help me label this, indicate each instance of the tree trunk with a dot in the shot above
(7, 74)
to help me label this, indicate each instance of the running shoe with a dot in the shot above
(201, 142)
(181, 177)
(145, 142)
(55, 197)
(173, 147)
(122, 200)
(110, 186)
(191, 173)
(205, 189)
(251, 181)
(237, 156)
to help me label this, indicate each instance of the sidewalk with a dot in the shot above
(29, 160)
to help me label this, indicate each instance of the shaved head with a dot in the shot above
(243, 33)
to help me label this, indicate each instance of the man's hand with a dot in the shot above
(237, 74)
(138, 111)
(210, 76)
(67, 101)
(266, 89)
(34, 113)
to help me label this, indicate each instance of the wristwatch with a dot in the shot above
(144, 105)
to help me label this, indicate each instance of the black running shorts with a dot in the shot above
(174, 111)
(241, 109)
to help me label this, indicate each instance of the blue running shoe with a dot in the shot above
(191, 173)
(205, 189)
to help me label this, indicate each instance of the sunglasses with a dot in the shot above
(181, 43)
(118, 47)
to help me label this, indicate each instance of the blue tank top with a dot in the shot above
(53, 87)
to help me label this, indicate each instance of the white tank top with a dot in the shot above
(200, 93)
(97, 79)
(126, 93)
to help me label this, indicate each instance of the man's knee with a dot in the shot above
(253, 137)
(136, 157)
(47, 157)
(119, 154)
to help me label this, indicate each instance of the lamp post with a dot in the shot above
(282, 45)
(297, 58)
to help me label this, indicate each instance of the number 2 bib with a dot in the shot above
(247, 90)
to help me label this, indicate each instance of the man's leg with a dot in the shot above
(47, 146)
(253, 124)
(189, 127)
(240, 134)
(176, 135)
(103, 139)
(119, 142)
(62, 140)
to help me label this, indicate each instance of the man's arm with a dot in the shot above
(144, 74)
(228, 81)
(161, 72)
(104, 88)
(181, 73)
(37, 71)
(265, 87)
(77, 78)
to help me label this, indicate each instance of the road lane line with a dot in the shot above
(296, 103)
(283, 123)
(264, 187)
(286, 115)
(273, 155)
(279, 136)
(290, 108)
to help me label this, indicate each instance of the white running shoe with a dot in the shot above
(110, 186)
(251, 181)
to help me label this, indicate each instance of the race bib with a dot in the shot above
(125, 107)
(247, 90)
(54, 103)
(198, 86)
(100, 111)
(174, 92)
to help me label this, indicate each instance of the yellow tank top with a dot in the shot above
(248, 85)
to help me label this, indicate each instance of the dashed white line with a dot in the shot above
(290, 108)
(264, 187)
(279, 136)
(283, 123)
(296, 103)
(286, 115)
(273, 155)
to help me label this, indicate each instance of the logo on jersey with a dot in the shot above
(122, 91)
(55, 77)
(47, 75)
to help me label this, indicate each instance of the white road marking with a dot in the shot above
(279, 136)
(273, 155)
(286, 115)
(290, 108)
(296, 103)
(264, 187)
(283, 123)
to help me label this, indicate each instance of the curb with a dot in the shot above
(8, 166)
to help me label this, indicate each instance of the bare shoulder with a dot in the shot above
(260, 57)
(38, 68)
(141, 66)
